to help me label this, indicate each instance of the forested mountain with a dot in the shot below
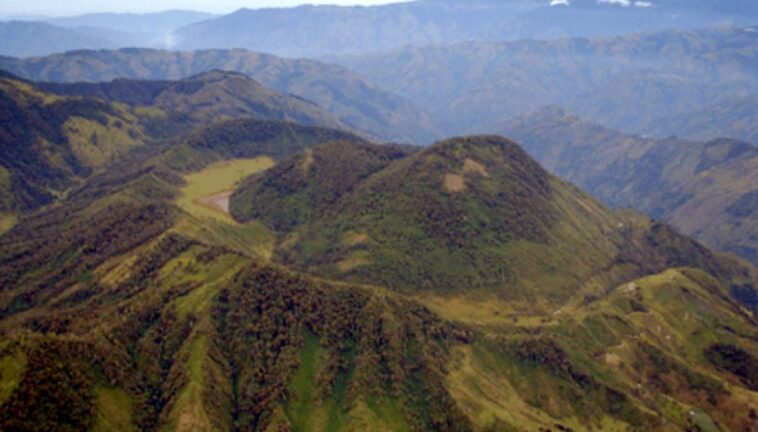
(625, 83)
(344, 94)
(51, 143)
(706, 189)
(451, 217)
(150, 322)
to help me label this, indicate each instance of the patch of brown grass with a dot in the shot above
(472, 166)
(454, 183)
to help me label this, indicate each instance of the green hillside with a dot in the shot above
(51, 144)
(260, 275)
(468, 214)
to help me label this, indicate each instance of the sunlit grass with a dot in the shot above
(189, 412)
(217, 178)
(114, 410)
(7, 221)
(11, 371)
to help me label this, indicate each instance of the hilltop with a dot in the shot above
(465, 214)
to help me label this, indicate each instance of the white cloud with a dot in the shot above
(560, 2)
(624, 3)
(643, 4)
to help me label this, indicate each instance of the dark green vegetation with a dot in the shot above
(310, 184)
(344, 94)
(705, 189)
(735, 360)
(365, 287)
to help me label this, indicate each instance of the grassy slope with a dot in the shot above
(492, 385)
(212, 225)
(12, 365)
(180, 347)
(676, 311)
(151, 361)
(219, 177)
(114, 410)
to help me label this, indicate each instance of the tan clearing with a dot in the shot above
(472, 166)
(219, 201)
(612, 360)
(354, 239)
(289, 241)
(193, 419)
(308, 160)
(454, 183)
(353, 261)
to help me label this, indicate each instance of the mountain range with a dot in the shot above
(625, 83)
(312, 31)
(706, 189)
(344, 94)
(225, 240)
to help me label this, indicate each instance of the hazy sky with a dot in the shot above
(73, 7)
